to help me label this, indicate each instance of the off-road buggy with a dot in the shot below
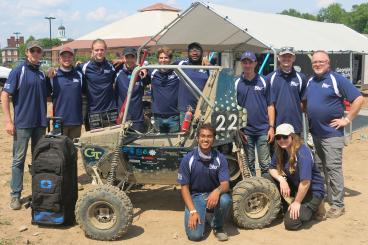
(118, 157)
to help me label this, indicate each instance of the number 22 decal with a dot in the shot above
(222, 122)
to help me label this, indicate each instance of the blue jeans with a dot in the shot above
(263, 150)
(20, 146)
(219, 215)
(168, 124)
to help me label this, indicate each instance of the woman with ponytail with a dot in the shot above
(300, 183)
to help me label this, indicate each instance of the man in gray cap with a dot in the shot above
(26, 85)
(66, 87)
(287, 89)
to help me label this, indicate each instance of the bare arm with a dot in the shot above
(194, 217)
(185, 193)
(354, 110)
(294, 208)
(5, 102)
(214, 196)
(271, 122)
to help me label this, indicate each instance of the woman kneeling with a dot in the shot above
(301, 185)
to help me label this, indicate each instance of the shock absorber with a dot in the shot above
(115, 160)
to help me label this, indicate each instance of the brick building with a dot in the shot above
(10, 54)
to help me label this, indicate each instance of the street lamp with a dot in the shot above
(50, 18)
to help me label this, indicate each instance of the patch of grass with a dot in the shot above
(5, 222)
(4, 241)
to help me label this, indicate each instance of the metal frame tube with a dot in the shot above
(173, 67)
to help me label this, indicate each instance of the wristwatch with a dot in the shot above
(191, 212)
(271, 126)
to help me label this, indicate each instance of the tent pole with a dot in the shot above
(167, 27)
(274, 58)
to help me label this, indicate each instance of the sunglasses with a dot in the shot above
(290, 49)
(280, 136)
(35, 50)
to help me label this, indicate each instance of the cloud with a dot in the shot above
(171, 2)
(74, 16)
(97, 15)
(324, 3)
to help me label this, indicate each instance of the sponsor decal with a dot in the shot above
(92, 154)
(325, 85)
(75, 80)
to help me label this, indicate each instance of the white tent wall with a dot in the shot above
(365, 72)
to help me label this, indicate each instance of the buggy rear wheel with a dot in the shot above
(256, 203)
(104, 213)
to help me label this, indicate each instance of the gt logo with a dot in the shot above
(93, 153)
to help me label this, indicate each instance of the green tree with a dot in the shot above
(296, 13)
(334, 13)
(47, 43)
(358, 18)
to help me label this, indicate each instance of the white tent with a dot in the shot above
(4, 72)
(223, 28)
(141, 24)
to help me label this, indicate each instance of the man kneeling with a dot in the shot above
(204, 178)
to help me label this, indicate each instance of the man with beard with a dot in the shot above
(199, 76)
(26, 85)
(66, 87)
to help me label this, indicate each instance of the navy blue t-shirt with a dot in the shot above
(164, 86)
(199, 77)
(286, 94)
(66, 95)
(305, 169)
(135, 113)
(255, 97)
(203, 176)
(325, 97)
(27, 85)
(100, 81)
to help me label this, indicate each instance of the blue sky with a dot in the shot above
(83, 16)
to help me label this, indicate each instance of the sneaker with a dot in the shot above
(15, 203)
(335, 212)
(220, 234)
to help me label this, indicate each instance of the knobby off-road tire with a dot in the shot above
(234, 170)
(256, 203)
(104, 213)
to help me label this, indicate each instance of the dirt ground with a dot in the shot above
(158, 212)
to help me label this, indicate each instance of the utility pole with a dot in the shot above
(50, 18)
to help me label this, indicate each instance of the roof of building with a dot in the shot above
(132, 30)
(159, 7)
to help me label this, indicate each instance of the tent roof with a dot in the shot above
(220, 27)
(140, 24)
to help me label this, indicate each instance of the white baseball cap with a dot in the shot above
(284, 129)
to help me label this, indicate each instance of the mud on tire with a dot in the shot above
(256, 203)
(104, 213)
